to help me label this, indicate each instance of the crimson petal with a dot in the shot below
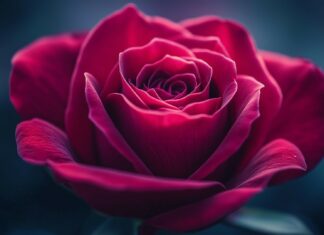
(132, 60)
(278, 158)
(301, 117)
(246, 110)
(41, 75)
(203, 42)
(39, 141)
(203, 213)
(104, 124)
(172, 143)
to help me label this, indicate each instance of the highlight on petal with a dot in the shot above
(39, 141)
(280, 158)
(209, 106)
(123, 29)
(41, 75)
(245, 110)
(211, 43)
(301, 117)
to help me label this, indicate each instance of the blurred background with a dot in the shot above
(31, 203)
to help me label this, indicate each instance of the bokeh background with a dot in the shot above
(32, 203)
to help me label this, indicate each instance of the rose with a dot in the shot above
(176, 124)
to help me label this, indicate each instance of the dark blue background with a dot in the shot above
(31, 203)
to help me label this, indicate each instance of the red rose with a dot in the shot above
(175, 123)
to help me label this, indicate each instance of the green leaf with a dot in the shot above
(268, 222)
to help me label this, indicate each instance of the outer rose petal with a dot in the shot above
(99, 54)
(241, 49)
(301, 117)
(41, 75)
(203, 42)
(277, 157)
(52, 143)
(204, 213)
(109, 191)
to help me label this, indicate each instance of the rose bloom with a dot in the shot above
(177, 124)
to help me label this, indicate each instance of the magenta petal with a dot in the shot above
(203, 213)
(169, 65)
(242, 50)
(224, 70)
(99, 54)
(278, 158)
(203, 42)
(39, 141)
(41, 76)
(172, 143)
(208, 106)
(132, 60)
(126, 194)
(301, 117)
(103, 123)
(246, 110)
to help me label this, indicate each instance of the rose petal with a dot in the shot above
(140, 97)
(109, 191)
(172, 143)
(301, 117)
(279, 157)
(241, 49)
(41, 74)
(224, 70)
(99, 54)
(132, 60)
(125, 194)
(169, 65)
(203, 213)
(104, 124)
(246, 111)
(203, 42)
(39, 141)
(208, 106)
